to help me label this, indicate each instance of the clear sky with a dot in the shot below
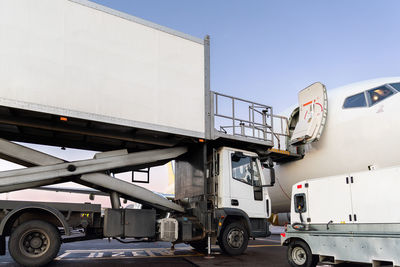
(268, 50)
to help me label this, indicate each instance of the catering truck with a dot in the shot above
(345, 218)
(79, 75)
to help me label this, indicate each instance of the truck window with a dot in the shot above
(396, 86)
(256, 172)
(378, 94)
(355, 101)
(258, 190)
(241, 169)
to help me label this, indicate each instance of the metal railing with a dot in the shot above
(239, 117)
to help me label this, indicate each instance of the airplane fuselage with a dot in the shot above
(354, 139)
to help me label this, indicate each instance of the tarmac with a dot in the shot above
(260, 252)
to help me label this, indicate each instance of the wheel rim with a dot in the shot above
(299, 256)
(34, 243)
(235, 238)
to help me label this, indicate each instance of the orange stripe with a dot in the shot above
(308, 103)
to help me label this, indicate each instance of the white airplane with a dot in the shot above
(356, 129)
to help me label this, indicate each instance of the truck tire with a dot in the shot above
(299, 255)
(34, 243)
(234, 239)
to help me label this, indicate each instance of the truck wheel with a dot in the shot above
(200, 245)
(234, 239)
(34, 243)
(299, 255)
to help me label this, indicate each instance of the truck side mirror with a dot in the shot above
(269, 174)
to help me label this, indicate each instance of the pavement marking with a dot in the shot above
(258, 246)
(118, 254)
(148, 251)
(133, 257)
(80, 254)
(120, 249)
(62, 256)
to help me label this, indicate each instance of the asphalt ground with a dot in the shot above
(261, 252)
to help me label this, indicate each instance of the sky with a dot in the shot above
(267, 51)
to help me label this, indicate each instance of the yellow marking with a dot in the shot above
(279, 151)
(259, 246)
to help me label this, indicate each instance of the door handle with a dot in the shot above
(234, 202)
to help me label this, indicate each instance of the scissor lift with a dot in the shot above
(44, 169)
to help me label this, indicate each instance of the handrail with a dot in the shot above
(259, 124)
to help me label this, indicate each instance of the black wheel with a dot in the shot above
(200, 245)
(234, 239)
(34, 243)
(299, 255)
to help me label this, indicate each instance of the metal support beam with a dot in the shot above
(76, 168)
(128, 191)
(115, 200)
(25, 156)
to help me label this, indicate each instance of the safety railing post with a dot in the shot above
(242, 129)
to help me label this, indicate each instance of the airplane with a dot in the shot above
(356, 128)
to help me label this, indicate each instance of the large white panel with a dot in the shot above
(88, 63)
(374, 196)
(329, 199)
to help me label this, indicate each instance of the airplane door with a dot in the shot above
(313, 105)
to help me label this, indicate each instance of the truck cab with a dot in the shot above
(232, 203)
(242, 183)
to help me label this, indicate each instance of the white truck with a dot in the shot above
(80, 75)
(345, 218)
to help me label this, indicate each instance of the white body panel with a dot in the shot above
(66, 58)
(357, 198)
(376, 190)
(329, 198)
(353, 139)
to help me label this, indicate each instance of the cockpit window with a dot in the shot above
(355, 101)
(378, 94)
(396, 86)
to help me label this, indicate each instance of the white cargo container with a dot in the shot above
(79, 59)
(118, 82)
(345, 218)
